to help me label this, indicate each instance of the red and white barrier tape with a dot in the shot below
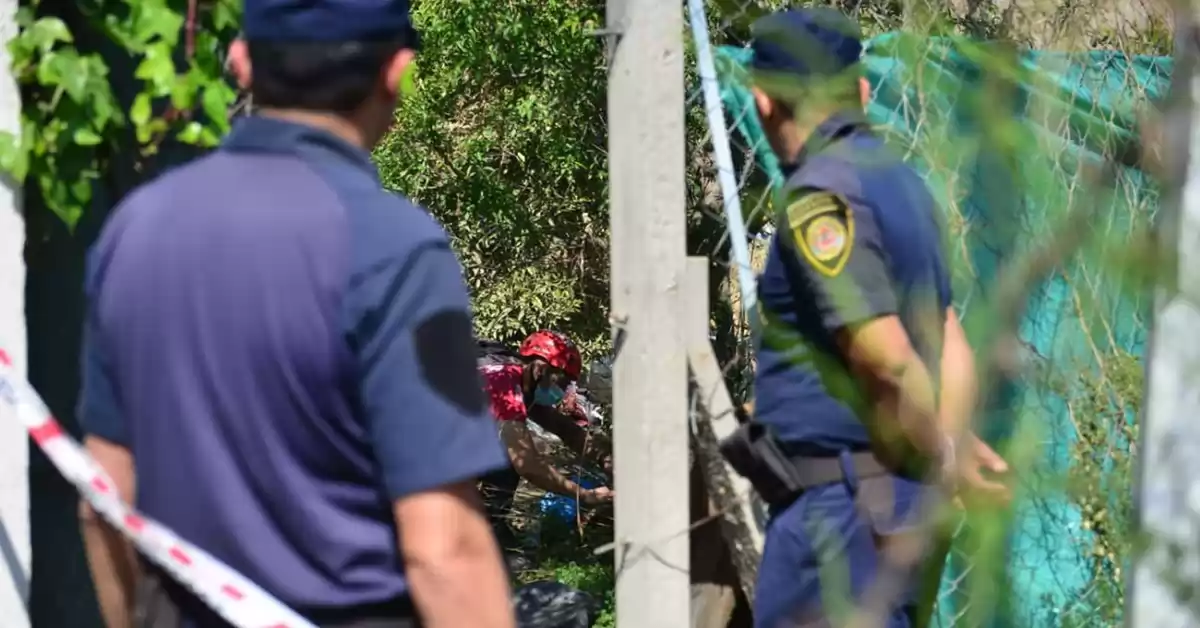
(239, 601)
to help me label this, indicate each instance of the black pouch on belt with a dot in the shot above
(755, 454)
(779, 476)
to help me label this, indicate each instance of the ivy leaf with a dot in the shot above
(81, 190)
(183, 92)
(191, 133)
(46, 32)
(60, 200)
(226, 14)
(14, 157)
(86, 137)
(209, 138)
(49, 70)
(216, 101)
(73, 74)
(156, 21)
(147, 132)
(158, 69)
(25, 17)
(139, 113)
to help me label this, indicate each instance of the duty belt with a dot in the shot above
(779, 476)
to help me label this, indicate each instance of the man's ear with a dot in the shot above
(239, 62)
(766, 107)
(399, 73)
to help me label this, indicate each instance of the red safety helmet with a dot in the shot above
(555, 349)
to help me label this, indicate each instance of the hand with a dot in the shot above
(988, 458)
(595, 496)
(977, 462)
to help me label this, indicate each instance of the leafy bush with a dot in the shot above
(505, 143)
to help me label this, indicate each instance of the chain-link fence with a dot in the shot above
(1027, 120)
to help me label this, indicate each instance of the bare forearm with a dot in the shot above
(467, 589)
(114, 568)
(905, 398)
(451, 560)
(959, 389)
(530, 463)
(543, 475)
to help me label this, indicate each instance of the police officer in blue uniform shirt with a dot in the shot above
(279, 353)
(864, 380)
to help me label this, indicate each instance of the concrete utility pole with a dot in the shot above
(646, 143)
(1168, 494)
(15, 553)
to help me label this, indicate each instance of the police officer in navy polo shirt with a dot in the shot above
(279, 360)
(864, 379)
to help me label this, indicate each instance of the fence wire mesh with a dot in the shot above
(1024, 117)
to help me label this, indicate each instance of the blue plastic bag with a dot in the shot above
(562, 506)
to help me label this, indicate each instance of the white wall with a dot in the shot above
(15, 552)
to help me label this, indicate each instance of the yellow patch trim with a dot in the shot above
(823, 228)
(812, 205)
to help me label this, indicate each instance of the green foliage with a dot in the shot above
(504, 141)
(565, 555)
(596, 579)
(1103, 406)
(71, 120)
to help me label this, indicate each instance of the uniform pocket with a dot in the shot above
(894, 505)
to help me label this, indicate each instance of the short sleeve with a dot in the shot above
(98, 408)
(841, 259)
(943, 280)
(421, 394)
(945, 289)
(505, 398)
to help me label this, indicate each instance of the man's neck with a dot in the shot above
(794, 139)
(331, 123)
(802, 132)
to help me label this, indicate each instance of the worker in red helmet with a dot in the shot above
(546, 365)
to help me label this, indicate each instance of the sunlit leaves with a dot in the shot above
(503, 140)
(73, 121)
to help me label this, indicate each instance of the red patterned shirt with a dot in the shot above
(503, 385)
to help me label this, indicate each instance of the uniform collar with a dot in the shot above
(832, 129)
(272, 135)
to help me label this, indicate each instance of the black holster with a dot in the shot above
(779, 477)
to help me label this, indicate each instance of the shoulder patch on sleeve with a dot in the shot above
(823, 229)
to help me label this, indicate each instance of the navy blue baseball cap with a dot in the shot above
(327, 21)
(817, 41)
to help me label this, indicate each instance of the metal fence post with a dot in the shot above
(1169, 453)
(647, 193)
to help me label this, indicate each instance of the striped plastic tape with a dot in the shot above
(239, 601)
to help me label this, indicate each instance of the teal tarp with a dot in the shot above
(1071, 107)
